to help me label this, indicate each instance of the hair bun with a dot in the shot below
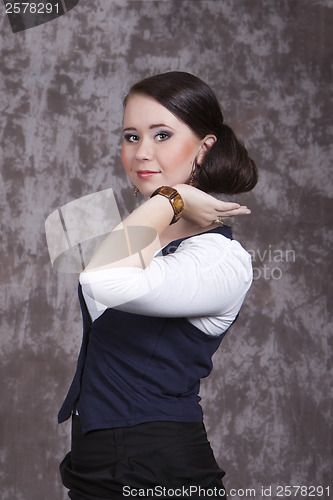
(227, 167)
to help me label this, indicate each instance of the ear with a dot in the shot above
(206, 144)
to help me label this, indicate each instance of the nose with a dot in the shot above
(144, 150)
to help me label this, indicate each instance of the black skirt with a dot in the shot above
(155, 460)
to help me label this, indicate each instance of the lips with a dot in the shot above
(144, 174)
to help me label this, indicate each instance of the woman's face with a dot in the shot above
(158, 149)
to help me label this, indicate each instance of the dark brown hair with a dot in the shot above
(227, 167)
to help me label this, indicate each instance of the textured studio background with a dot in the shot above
(267, 405)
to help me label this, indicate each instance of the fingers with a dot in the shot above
(222, 206)
(241, 210)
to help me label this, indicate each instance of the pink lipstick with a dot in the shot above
(144, 174)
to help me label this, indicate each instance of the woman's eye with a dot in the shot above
(131, 137)
(162, 136)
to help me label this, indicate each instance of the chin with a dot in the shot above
(147, 191)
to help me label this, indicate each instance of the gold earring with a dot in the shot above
(135, 191)
(193, 173)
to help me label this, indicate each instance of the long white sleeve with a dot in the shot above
(204, 280)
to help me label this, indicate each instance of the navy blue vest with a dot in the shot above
(134, 369)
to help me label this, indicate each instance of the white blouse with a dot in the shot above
(204, 280)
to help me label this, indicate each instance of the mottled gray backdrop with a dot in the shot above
(268, 403)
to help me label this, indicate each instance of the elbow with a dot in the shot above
(116, 287)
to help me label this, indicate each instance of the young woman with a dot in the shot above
(155, 308)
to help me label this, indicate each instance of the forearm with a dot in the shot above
(117, 251)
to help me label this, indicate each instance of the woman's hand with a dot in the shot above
(203, 209)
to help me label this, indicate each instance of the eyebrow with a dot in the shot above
(154, 125)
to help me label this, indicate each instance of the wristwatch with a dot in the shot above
(175, 199)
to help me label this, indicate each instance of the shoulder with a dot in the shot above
(214, 253)
(214, 244)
